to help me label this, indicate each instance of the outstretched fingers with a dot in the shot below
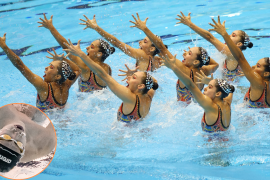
(50, 53)
(134, 18)
(138, 16)
(83, 20)
(54, 51)
(133, 22)
(42, 19)
(182, 14)
(214, 21)
(146, 19)
(87, 17)
(45, 18)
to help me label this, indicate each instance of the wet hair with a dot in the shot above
(156, 49)
(8, 158)
(224, 87)
(203, 57)
(65, 71)
(106, 49)
(244, 39)
(149, 83)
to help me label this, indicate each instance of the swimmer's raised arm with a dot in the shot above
(34, 79)
(128, 50)
(255, 79)
(154, 39)
(186, 20)
(119, 90)
(203, 100)
(61, 40)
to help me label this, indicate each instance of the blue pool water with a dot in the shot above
(169, 143)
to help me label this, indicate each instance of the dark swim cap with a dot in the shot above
(8, 158)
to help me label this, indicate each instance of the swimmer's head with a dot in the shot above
(218, 88)
(262, 67)
(241, 39)
(141, 81)
(58, 71)
(148, 47)
(105, 49)
(10, 152)
(100, 49)
(196, 56)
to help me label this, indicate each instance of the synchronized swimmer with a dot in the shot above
(137, 96)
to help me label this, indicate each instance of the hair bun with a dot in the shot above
(72, 76)
(155, 86)
(112, 50)
(232, 88)
(250, 45)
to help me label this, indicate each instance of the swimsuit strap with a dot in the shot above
(94, 77)
(138, 105)
(191, 75)
(54, 97)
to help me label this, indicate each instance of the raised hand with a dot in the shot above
(74, 50)
(138, 23)
(203, 78)
(45, 22)
(170, 63)
(218, 27)
(55, 56)
(184, 19)
(3, 40)
(89, 23)
(129, 72)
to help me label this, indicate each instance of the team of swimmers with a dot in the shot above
(192, 72)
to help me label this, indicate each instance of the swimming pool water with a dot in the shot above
(169, 143)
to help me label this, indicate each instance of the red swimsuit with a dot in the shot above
(217, 126)
(89, 85)
(134, 115)
(50, 102)
(260, 103)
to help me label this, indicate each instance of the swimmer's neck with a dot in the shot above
(217, 100)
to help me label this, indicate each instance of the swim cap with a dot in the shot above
(8, 158)
(149, 81)
(66, 70)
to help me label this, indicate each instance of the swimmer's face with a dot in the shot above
(211, 89)
(190, 56)
(236, 36)
(259, 67)
(146, 45)
(135, 81)
(15, 131)
(51, 71)
(93, 50)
